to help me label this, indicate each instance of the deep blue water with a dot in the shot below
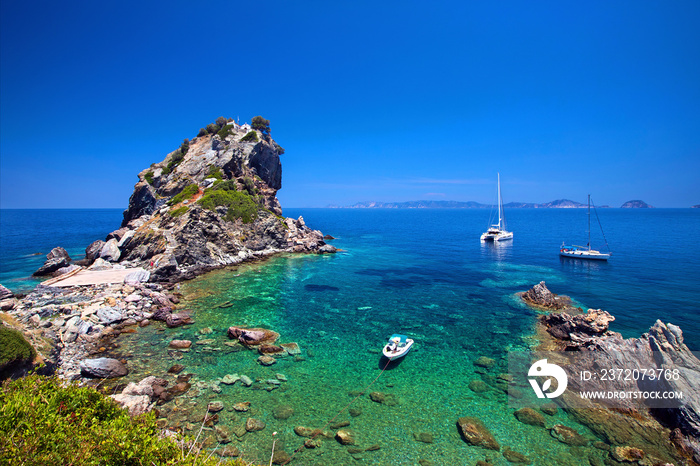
(27, 235)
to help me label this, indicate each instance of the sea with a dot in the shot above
(419, 272)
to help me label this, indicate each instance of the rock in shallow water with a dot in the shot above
(474, 432)
(104, 368)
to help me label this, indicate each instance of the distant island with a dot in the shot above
(696, 206)
(558, 204)
(636, 204)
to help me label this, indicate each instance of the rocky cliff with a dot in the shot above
(211, 202)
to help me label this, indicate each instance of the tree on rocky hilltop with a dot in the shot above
(261, 124)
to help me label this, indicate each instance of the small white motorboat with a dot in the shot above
(397, 347)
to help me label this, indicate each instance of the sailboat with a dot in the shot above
(498, 232)
(585, 252)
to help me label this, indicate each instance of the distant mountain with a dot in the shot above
(558, 204)
(637, 204)
(697, 206)
(418, 205)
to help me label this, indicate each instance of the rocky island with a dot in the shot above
(636, 204)
(210, 203)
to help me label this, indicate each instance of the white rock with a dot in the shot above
(110, 251)
(136, 404)
(247, 381)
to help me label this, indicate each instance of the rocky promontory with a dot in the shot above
(210, 203)
(662, 428)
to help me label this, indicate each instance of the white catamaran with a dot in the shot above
(498, 232)
(585, 252)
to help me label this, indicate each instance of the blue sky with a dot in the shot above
(386, 101)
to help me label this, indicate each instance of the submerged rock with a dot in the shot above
(515, 457)
(568, 435)
(253, 336)
(345, 437)
(529, 416)
(254, 425)
(474, 432)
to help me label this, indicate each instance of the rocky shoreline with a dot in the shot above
(638, 430)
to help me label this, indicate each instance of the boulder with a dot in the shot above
(345, 437)
(242, 407)
(272, 350)
(568, 436)
(110, 251)
(65, 270)
(253, 336)
(104, 368)
(515, 457)
(230, 379)
(267, 360)
(180, 344)
(540, 296)
(137, 276)
(215, 406)
(135, 404)
(529, 416)
(92, 252)
(56, 259)
(254, 425)
(475, 433)
(109, 315)
(176, 320)
(282, 412)
(100, 264)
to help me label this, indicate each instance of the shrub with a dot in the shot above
(179, 211)
(13, 346)
(202, 132)
(148, 176)
(189, 191)
(212, 128)
(215, 172)
(220, 122)
(185, 146)
(228, 185)
(280, 149)
(249, 186)
(225, 131)
(252, 136)
(43, 422)
(240, 205)
(261, 124)
(175, 160)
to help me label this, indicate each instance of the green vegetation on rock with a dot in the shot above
(148, 176)
(280, 149)
(215, 172)
(44, 422)
(185, 146)
(225, 131)
(239, 204)
(179, 211)
(175, 160)
(13, 346)
(252, 136)
(228, 185)
(189, 191)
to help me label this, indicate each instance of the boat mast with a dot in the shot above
(589, 222)
(499, 201)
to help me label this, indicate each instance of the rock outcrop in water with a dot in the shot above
(212, 202)
(671, 428)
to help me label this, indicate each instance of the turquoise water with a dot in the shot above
(423, 273)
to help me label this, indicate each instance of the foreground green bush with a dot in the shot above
(43, 423)
(13, 346)
(240, 205)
